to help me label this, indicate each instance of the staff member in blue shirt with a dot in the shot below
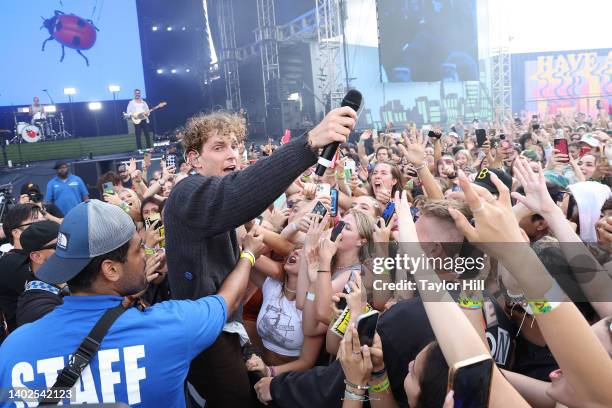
(144, 358)
(65, 190)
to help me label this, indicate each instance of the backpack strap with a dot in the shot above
(83, 354)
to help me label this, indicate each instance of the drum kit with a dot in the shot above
(46, 123)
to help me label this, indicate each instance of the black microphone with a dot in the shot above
(352, 99)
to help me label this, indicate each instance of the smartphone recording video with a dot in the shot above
(319, 209)
(341, 304)
(388, 212)
(561, 145)
(337, 230)
(366, 327)
(471, 381)
(107, 188)
(334, 201)
(481, 137)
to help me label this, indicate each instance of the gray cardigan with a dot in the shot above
(202, 213)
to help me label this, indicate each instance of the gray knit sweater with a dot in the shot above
(202, 213)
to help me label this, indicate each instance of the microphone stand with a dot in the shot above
(49, 95)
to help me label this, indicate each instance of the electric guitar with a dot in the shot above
(138, 117)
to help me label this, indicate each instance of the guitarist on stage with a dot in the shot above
(135, 107)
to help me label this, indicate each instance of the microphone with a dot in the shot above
(352, 99)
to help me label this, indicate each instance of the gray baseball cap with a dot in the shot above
(90, 229)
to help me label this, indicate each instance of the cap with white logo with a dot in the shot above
(90, 229)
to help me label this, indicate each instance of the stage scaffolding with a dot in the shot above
(501, 82)
(228, 58)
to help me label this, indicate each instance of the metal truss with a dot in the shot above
(501, 82)
(329, 37)
(266, 38)
(228, 55)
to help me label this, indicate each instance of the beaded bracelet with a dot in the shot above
(356, 386)
(543, 306)
(349, 396)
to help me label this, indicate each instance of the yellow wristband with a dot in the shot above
(249, 256)
(470, 303)
(149, 251)
(381, 386)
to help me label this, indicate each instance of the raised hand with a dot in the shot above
(383, 196)
(495, 221)
(536, 196)
(415, 149)
(367, 134)
(131, 167)
(407, 230)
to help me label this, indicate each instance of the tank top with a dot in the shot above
(279, 323)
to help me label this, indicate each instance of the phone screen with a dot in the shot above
(561, 145)
(472, 384)
(366, 327)
(388, 212)
(108, 188)
(481, 137)
(334, 201)
(319, 209)
(337, 230)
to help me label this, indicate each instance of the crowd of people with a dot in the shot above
(241, 278)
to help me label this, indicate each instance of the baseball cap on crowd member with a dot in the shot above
(28, 188)
(590, 140)
(59, 164)
(483, 179)
(530, 154)
(90, 229)
(38, 235)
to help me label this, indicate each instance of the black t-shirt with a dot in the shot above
(34, 304)
(127, 184)
(404, 331)
(14, 273)
(54, 210)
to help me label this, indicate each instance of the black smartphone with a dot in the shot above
(341, 304)
(502, 136)
(337, 230)
(598, 104)
(561, 145)
(434, 134)
(471, 381)
(334, 201)
(535, 126)
(388, 212)
(366, 327)
(320, 209)
(481, 137)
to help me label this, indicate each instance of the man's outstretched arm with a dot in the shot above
(217, 204)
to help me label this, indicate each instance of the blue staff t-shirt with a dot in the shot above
(66, 194)
(143, 360)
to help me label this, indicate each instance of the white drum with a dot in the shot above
(20, 126)
(30, 134)
(39, 116)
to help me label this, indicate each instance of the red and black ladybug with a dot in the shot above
(71, 31)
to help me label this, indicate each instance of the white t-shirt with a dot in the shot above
(135, 107)
(279, 323)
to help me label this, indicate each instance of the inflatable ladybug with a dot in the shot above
(71, 31)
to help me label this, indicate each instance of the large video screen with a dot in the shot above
(100, 42)
(428, 40)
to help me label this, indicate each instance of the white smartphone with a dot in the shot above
(323, 190)
(349, 164)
